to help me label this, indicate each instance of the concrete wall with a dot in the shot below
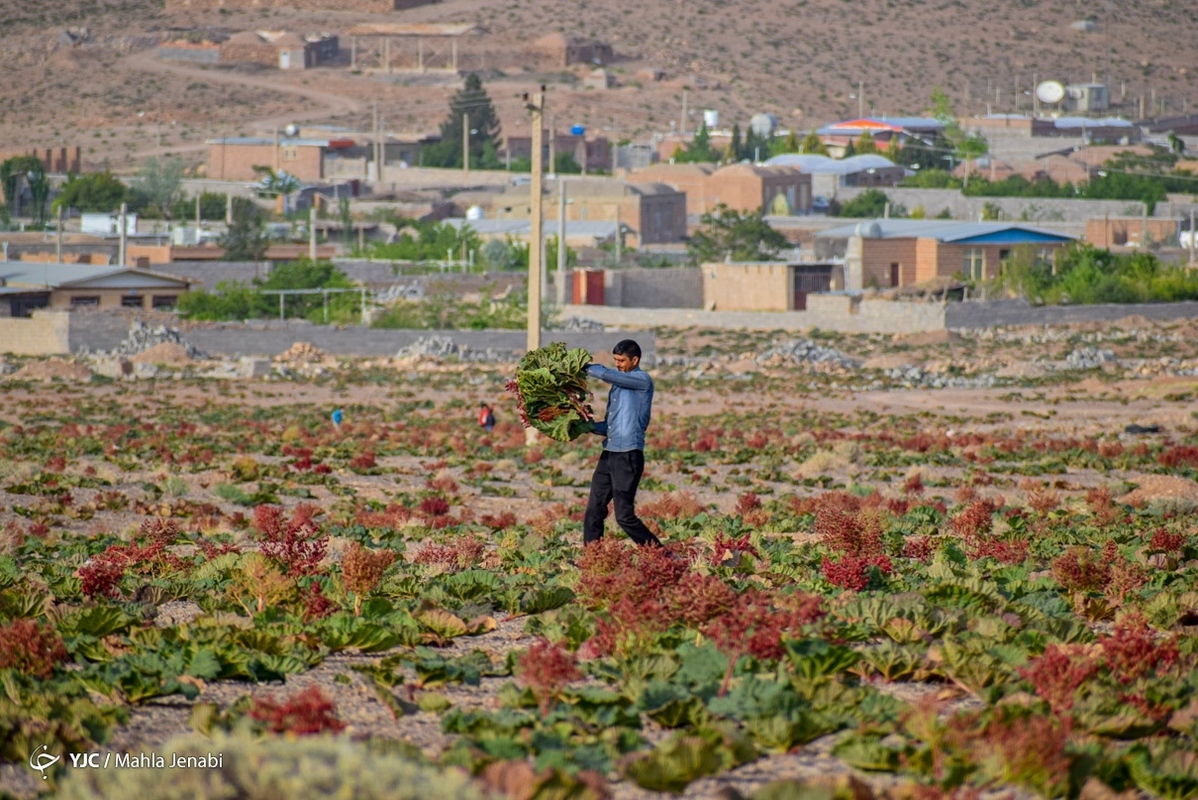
(827, 312)
(747, 287)
(1131, 231)
(659, 287)
(1016, 312)
(192, 53)
(1039, 209)
(45, 333)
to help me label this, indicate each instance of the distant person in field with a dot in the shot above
(616, 478)
(486, 417)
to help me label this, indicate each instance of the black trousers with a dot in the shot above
(616, 479)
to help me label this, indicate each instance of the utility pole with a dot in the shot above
(537, 220)
(375, 141)
(466, 146)
(228, 209)
(552, 145)
(276, 149)
(123, 239)
(561, 243)
(861, 99)
(1193, 237)
(615, 147)
(619, 237)
(312, 230)
(382, 145)
(197, 219)
(682, 127)
(58, 243)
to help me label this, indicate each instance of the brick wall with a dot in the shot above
(45, 333)
(1131, 231)
(662, 218)
(236, 162)
(879, 254)
(658, 287)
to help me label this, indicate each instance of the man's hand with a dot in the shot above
(603, 358)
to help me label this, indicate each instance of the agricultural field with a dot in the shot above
(920, 568)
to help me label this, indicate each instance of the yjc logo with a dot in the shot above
(42, 761)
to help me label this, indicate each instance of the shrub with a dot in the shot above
(362, 569)
(31, 648)
(295, 544)
(305, 713)
(547, 669)
(254, 769)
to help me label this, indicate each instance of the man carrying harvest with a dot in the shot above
(622, 463)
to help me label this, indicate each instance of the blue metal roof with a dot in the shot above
(947, 231)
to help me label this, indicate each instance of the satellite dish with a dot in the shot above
(292, 129)
(1050, 92)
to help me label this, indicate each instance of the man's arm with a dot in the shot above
(600, 427)
(635, 380)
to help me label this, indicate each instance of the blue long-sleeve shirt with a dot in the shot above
(629, 407)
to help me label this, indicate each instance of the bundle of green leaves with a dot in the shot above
(551, 391)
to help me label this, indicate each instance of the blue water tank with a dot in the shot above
(577, 130)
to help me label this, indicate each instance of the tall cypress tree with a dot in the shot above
(472, 100)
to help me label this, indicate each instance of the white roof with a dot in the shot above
(814, 164)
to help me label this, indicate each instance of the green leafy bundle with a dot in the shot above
(551, 391)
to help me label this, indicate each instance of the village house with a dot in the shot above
(828, 175)
(885, 253)
(26, 286)
(279, 49)
(590, 154)
(780, 191)
(234, 158)
(838, 135)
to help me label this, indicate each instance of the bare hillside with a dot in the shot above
(802, 60)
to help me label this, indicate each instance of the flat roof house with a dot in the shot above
(26, 286)
(234, 158)
(830, 174)
(884, 253)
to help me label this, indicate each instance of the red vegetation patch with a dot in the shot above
(1057, 674)
(547, 669)
(31, 648)
(296, 544)
(305, 713)
(1133, 650)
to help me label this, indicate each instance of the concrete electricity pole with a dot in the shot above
(312, 230)
(561, 243)
(466, 146)
(552, 145)
(124, 233)
(682, 127)
(537, 214)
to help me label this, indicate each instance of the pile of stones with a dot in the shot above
(1089, 358)
(806, 351)
(142, 337)
(444, 347)
(578, 325)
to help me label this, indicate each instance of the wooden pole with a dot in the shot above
(58, 242)
(561, 244)
(534, 243)
(312, 230)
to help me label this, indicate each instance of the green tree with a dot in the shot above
(566, 165)
(162, 183)
(246, 239)
(813, 144)
(34, 173)
(92, 191)
(699, 150)
(966, 147)
(212, 207)
(276, 184)
(866, 144)
(870, 203)
(227, 301)
(471, 100)
(736, 147)
(739, 236)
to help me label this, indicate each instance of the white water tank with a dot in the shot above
(711, 118)
(474, 213)
(763, 125)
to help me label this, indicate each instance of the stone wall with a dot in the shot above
(1038, 209)
(1017, 312)
(833, 312)
(43, 334)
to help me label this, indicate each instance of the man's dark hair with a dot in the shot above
(627, 347)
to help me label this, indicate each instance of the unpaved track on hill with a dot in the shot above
(329, 104)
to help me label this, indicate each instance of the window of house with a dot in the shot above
(84, 301)
(290, 153)
(975, 263)
(132, 301)
(164, 301)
